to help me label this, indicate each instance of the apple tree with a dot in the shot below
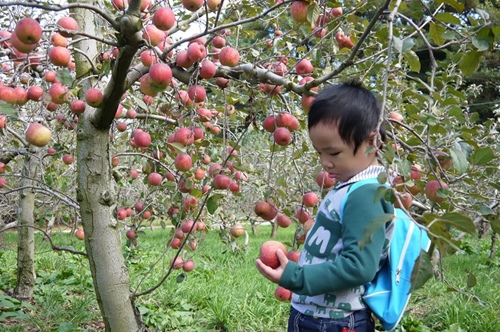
(178, 92)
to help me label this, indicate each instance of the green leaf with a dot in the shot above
(412, 60)
(422, 271)
(455, 4)
(447, 17)
(471, 280)
(7, 109)
(485, 210)
(382, 177)
(482, 156)
(470, 62)
(481, 44)
(459, 159)
(398, 44)
(435, 33)
(212, 203)
(64, 76)
(313, 12)
(181, 277)
(459, 221)
(372, 227)
(495, 225)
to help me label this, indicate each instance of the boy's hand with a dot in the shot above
(273, 274)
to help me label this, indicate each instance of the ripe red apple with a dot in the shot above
(3, 121)
(20, 46)
(237, 230)
(283, 220)
(2, 167)
(213, 4)
(207, 69)
(115, 161)
(229, 56)
(183, 162)
(196, 52)
(184, 136)
(188, 265)
(222, 82)
(160, 74)
(406, 200)
(3, 182)
(94, 97)
(147, 214)
(219, 42)
(282, 136)
(298, 11)
(133, 174)
(80, 234)
(266, 210)
(155, 179)
(35, 93)
(396, 116)
(142, 138)
(69, 26)
(164, 18)
(416, 172)
(293, 255)
(221, 181)
(398, 183)
(188, 226)
(59, 40)
(130, 234)
(336, 12)
(28, 30)
(138, 206)
(302, 215)
(148, 57)
(304, 67)
(343, 40)
(310, 199)
(176, 263)
(444, 159)
(269, 123)
(37, 134)
(175, 243)
(234, 186)
(282, 294)
(197, 93)
(431, 190)
(121, 126)
(192, 5)
(67, 159)
(58, 93)
(60, 56)
(153, 35)
(268, 253)
(214, 169)
(121, 214)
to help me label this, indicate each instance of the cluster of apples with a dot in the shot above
(282, 126)
(187, 230)
(407, 188)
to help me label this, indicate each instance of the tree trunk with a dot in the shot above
(96, 197)
(26, 233)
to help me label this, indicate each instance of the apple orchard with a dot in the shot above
(191, 114)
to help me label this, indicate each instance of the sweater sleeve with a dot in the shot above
(353, 267)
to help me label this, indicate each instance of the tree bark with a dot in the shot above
(96, 197)
(26, 233)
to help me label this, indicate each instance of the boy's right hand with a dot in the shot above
(273, 274)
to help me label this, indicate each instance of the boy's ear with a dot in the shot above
(371, 138)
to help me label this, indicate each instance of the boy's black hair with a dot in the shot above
(354, 109)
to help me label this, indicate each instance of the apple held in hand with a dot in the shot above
(268, 253)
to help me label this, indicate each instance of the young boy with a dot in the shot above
(328, 281)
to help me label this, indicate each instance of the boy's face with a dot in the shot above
(336, 156)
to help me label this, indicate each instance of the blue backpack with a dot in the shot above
(389, 292)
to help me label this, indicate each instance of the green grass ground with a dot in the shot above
(225, 292)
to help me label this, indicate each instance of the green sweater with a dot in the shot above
(328, 281)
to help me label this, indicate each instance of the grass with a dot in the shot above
(225, 292)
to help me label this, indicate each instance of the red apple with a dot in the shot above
(302, 215)
(310, 199)
(58, 93)
(324, 181)
(237, 230)
(153, 35)
(3, 182)
(68, 26)
(396, 116)
(196, 52)
(293, 255)
(268, 253)
(28, 30)
(175, 243)
(138, 206)
(183, 162)
(164, 18)
(207, 69)
(266, 210)
(229, 56)
(406, 200)
(80, 234)
(197, 93)
(192, 5)
(283, 220)
(416, 172)
(155, 179)
(298, 11)
(20, 46)
(304, 67)
(60, 56)
(184, 136)
(115, 161)
(176, 263)
(67, 159)
(133, 174)
(431, 190)
(336, 12)
(35, 93)
(221, 181)
(130, 234)
(188, 266)
(94, 97)
(142, 139)
(282, 294)
(282, 136)
(37, 134)
(160, 74)
(213, 4)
